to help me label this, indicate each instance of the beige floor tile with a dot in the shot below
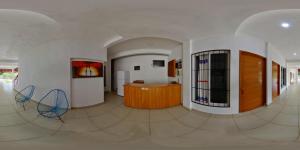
(292, 103)
(29, 115)
(168, 129)
(203, 114)
(249, 122)
(267, 114)
(287, 120)
(103, 136)
(120, 111)
(139, 115)
(76, 114)
(160, 115)
(6, 110)
(206, 139)
(223, 125)
(78, 125)
(23, 132)
(11, 120)
(128, 129)
(272, 132)
(247, 113)
(276, 107)
(48, 123)
(178, 111)
(105, 121)
(98, 110)
(193, 120)
(290, 110)
(4, 102)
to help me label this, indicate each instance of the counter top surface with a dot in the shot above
(150, 84)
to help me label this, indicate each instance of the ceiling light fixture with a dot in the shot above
(285, 25)
(295, 54)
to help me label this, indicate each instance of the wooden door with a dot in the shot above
(252, 81)
(275, 80)
(172, 68)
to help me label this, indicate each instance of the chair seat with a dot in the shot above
(54, 104)
(25, 95)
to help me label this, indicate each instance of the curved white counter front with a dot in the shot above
(87, 92)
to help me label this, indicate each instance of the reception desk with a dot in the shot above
(152, 96)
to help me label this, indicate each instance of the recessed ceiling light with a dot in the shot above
(295, 54)
(285, 25)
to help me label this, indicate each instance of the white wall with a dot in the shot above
(148, 73)
(144, 43)
(42, 67)
(186, 68)
(273, 55)
(47, 65)
(295, 73)
(87, 92)
(235, 44)
(147, 43)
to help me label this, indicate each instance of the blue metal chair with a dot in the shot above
(25, 95)
(54, 104)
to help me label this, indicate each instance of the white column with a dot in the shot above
(186, 67)
(269, 75)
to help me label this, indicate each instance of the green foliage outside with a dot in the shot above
(8, 75)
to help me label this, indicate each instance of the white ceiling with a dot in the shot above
(293, 65)
(267, 26)
(103, 20)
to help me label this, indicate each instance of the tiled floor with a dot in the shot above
(114, 126)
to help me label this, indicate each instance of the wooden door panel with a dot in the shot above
(252, 81)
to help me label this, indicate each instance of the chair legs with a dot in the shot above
(23, 107)
(60, 119)
(50, 115)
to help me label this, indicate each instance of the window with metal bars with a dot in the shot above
(211, 78)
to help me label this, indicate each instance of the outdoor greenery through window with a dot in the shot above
(8, 75)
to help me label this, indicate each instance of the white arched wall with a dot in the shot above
(46, 63)
(45, 51)
(141, 46)
(140, 52)
(273, 55)
(266, 25)
(235, 44)
(47, 66)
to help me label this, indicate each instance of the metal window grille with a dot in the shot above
(211, 78)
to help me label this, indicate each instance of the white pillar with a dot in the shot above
(269, 75)
(186, 68)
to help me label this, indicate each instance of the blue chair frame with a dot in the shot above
(54, 111)
(25, 95)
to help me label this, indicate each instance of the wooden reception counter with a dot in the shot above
(152, 96)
